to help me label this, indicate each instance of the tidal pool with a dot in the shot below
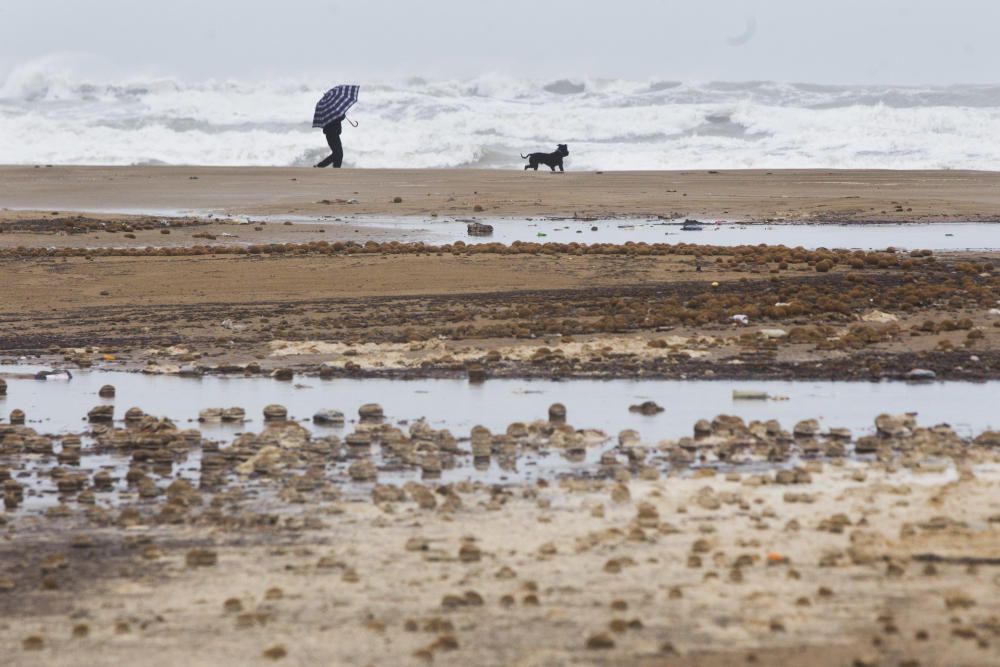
(57, 407)
(61, 406)
(932, 236)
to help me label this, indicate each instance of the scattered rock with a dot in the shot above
(200, 557)
(210, 415)
(371, 412)
(363, 471)
(807, 428)
(33, 643)
(107, 391)
(328, 417)
(469, 553)
(477, 373)
(600, 641)
(275, 413)
(646, 408)
(276, 652)
(283, 374)
(101, 414)
(749, 395)
(479, 228)
(773, 333)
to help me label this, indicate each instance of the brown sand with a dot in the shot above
(351, 587)
(847, 323)
(589, 583)
(789, 194)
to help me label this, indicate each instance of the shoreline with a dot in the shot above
(768, 196)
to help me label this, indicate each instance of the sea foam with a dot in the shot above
(48, 116)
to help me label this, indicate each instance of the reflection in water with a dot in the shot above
(60, 408)
(932, 236)
(459, 405)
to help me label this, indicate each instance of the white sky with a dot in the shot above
(818, 41)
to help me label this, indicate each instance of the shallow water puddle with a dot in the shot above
(62, 406)
(932, 236)
(59, 407)
(438, 231)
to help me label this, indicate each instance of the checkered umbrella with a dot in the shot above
(335, 104)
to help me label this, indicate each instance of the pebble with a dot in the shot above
(469, 553)
(807, 428)
(276, 652)
(33, 643)
(283, 374)
(3, 387)
(918, 374)
(557, 413)
(370, 412)
(101, 414)
(107, 391)
(362, 471)
(210, 415)
(773, 333)
(477, 373)
(600, 641)
(17, 416)
(275, 413)
(646, 408)
(478, 229)
(328, 416)
(200, 557)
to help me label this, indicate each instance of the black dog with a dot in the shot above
(553, 159)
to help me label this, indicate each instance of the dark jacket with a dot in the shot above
(333, 127)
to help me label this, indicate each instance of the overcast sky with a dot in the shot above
(821, 41)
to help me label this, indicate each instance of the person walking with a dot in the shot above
(330, 112)
(332, 132)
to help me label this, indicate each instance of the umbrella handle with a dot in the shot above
(350, 122)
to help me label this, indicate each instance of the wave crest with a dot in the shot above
(51, 113)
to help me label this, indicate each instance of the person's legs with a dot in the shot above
(337, 156)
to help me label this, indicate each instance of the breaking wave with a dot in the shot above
(48, 115)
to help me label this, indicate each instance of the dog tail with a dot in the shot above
(523, 157)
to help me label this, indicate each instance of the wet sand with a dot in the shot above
(835, 195)
(289, 549)
(530, 311)
(750, 544)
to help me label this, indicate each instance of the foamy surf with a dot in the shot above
(51, 117)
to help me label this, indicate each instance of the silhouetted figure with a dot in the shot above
(332, 132)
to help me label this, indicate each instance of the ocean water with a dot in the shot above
(47, 116)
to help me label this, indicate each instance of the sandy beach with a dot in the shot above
(831, 195)
(650, 334)
(135, 536)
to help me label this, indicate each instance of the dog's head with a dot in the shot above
(562, 149)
